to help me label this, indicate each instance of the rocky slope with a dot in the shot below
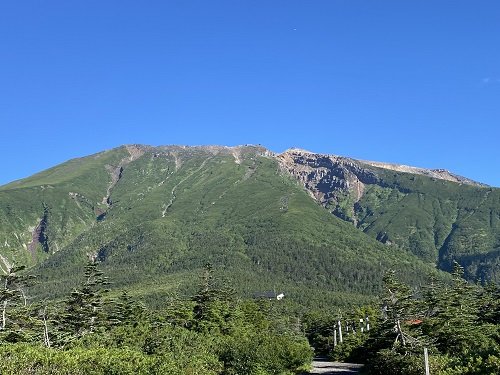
(338, 182)
(328, 176)
(328, 179)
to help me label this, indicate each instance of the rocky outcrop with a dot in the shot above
(39, 236)
(329, 179)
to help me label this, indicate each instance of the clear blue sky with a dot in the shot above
(407, 82)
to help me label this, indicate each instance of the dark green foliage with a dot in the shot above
(99, 335)
(83, 310)
(352, 348)
(13, 302)
(319, 330)
(454, 320)
(448, 319)
(212, 304)
(124, 310)
(439, 221)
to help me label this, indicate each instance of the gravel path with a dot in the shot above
(325, 366)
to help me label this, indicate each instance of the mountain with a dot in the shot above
(322, 228)
(438, 216)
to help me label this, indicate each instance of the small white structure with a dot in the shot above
(269, 295)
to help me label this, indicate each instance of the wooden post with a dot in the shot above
(46, 338)
(3, 313)
(426, 360)
(340, 330)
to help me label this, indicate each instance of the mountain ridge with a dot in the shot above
(168, 209)
(135, 151)
(435, 173)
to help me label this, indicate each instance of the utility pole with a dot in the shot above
(339, 324)
(426, 360)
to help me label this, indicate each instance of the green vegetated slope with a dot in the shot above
(43, 213)
(437, 220)
(153, 216)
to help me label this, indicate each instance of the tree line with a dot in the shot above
(91, 332)
(456, 322)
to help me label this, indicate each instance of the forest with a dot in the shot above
(91, 332)
(97, 331)
(456, 322)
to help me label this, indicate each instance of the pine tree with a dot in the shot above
(212, 303)
(83, 310)
(125, 310)
(398, 307)
(453, 320)
(14, 290)
(489, 304)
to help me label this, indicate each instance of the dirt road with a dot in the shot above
(327, 367)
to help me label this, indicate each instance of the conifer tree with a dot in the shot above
(398, 307)
(125, 310)
(455, 320)
(489, 303)
(83, 310)
(212, 303)
(13, 290)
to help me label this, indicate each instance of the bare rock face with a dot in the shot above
(329, 179)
